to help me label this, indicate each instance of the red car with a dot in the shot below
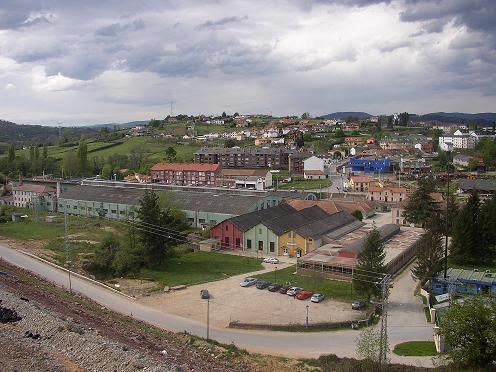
(303, 295)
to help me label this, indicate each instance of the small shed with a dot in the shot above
(209, 245)
(17, 217)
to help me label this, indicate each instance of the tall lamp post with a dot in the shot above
(306, 319)
(447, 218)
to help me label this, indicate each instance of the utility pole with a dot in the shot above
(447, 217)
(208, 317)
(306, 320)
(383, 346)
(66, 247)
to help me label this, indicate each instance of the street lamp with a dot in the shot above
(447, 217)
(306, 320)
(275, 275)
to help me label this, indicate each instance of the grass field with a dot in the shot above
(416, 348)
(200, 267)
(333, 289)
(154, 149)
(480, 267)
(57, 152)
(26, 230)
(305, 184)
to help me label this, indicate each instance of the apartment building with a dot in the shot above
(29, 196)
(185, 174)
(236, 157)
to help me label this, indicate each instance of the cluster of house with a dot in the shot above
(464, 140)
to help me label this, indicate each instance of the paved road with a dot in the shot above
(341, 343)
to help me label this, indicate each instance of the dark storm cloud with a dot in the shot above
(477, 15)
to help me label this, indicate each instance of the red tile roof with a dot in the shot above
(181, 167)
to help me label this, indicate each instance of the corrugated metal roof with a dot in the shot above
(233, 204)
(325, 225)
(246, 221)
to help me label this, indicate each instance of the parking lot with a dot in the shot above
(230, 302)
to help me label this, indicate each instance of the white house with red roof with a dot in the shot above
(28, 195)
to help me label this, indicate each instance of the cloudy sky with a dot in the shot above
(122, 60)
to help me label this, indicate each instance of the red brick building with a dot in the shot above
(186, 174)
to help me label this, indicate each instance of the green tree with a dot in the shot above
(102, 261)
(357, 214)
(430, 254)
(224, 115)
(11, 154)
(370, 261)
(170, 152)
(305, 115)
(82, 155)
(467, 244)
(488, 226)
(229, 143)
(339, 133)
(470, 331)
(45, 151)
(368, 348)
(106, 172)
(420, 206)
(154, 123)
(154, 247)
(31, 153)
(70, 164)
(404, 119)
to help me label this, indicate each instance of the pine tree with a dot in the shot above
(370, 262)
(154, 247)
(488, 226)
(430, 255)
(421, 207)
(45, 151)
(467, 242)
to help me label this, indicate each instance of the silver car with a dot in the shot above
(317, 297)
(293, 291)
(248, 282)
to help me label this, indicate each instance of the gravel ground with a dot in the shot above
(63, 344)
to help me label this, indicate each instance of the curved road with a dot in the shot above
(405, 320)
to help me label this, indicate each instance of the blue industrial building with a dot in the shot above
(466, 282)
(371, 165)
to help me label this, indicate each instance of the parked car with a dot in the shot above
(304, 295)
(262, 284)
(293, 291)
(248, 282)
(271, 260)
(204, 294)
(317, 297)
(358, 305)
(284, 289)
(274, 287)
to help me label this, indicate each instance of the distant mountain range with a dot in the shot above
(130, 124)
(483, 118)
(345, 115)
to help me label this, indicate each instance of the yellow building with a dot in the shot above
(294, 245)
(308, 237)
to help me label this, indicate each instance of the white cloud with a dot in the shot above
(10, 86)
(102, 63)
(54, 83)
